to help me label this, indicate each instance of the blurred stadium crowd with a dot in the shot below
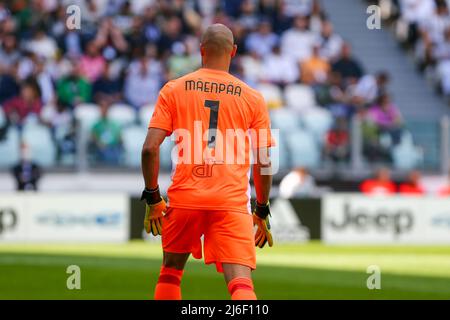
(423, 27)
(64, 90)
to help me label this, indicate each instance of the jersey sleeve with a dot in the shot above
(162, 117)
(260, 131)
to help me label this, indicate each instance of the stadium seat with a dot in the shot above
(299, 97)
(86, 115)
(285, 119)
(318, 121)
(303, 149)
(406, 155)
(133, 138)
(39, 139)
(272, 95)
(10, 148)
(145, 113)
(123, 114)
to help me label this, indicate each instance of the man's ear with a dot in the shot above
(233, 52)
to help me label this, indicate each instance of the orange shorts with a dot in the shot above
(227, 236)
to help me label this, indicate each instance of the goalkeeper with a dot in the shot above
(210, 197)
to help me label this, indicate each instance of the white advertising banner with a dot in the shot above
(64, 217)
(13, 226)
(353, 219)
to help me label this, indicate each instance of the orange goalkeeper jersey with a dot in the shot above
(214, 119)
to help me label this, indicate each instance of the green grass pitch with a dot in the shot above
(285, 271)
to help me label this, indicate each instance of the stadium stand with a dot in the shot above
(310, 77)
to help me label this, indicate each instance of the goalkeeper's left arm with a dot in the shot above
(155, 204)
(262, 178)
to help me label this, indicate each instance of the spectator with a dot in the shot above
(330, 42)
(337, 143)
(279, 69)
(25, 65)
(432, 32)
(8, 85)
(45, 82)
(151, 30)
(333, 96)
(370, 87)
(111, 39)
(9, 24)
(28, 102)
(298, 41)
(71, 42)
(144, 74)
(9, 54)
(107, 88)
(347, 66)
(373, 148)
(412, 186)
(26, 173)
(92, 63)
(106, 145)
(380, 185)
(386, 117)
(62, 124)
(314, 70)
(182, 61)
(316, 17)
(123, 20)
(298, 182)
(171, 35)
(232, 7)
(433, 27)
(73, 89)
(247, 17)
(4, 12)
(42, 45)
(413, 12)
(59, 68)
(136, 37)
(252, 66)
(272, 10)
(263, 40)
(240, 38)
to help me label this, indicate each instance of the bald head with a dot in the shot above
(217, 40)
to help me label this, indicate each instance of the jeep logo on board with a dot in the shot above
(395, 221)
(8, 219)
